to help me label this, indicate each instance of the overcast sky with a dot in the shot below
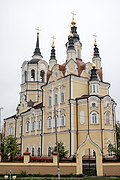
(18, 20)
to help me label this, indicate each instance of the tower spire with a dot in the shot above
(52, 60)
(74, 28)
(96, 50)
(53, 49)
(37, 49)
(70, 41)
(93, 76)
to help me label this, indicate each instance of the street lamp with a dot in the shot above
(58, 167)
(0, 127)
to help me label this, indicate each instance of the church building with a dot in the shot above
(73, 94)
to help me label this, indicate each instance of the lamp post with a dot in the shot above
(58, 167)
(0, 127)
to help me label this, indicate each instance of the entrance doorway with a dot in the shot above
(89, 162)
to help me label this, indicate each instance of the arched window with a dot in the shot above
(27, 149)
(33, 75)
(62, 97)
(42, 76)
(93, 153)
(82, 117)
(49, 122)
(39, 151)
(107, 117)
(33, 125)
(10, 130)
(94, 104)
(39, 125)
(62, 120)
(33, 151)
(49, 151)
(95, 88)
(56, 99)
(49, 101)
(27, 126)
(94, 118)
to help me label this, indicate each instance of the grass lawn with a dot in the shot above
(62, 178)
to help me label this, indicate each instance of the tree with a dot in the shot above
(115, 149)
(9, 148)
(61, 150)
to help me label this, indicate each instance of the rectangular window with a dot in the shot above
(49, 123)
(33, 126)
(49, 101)
(39, 125)
(62, 120)
(39, 151)
(10, 130)
(56, 99)
(93, 88)
(94, 118)
(27, 126)
(33, 151)
(62, 97)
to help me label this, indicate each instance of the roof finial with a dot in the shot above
(73, 21)
(53, 43)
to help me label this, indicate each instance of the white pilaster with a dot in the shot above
(53, 96)
(72, 120)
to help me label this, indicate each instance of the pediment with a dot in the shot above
(56, 73)
(71, 67)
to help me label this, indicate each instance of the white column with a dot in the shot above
(43, 134)
(53, 99)
(59, 98)
(72, 120)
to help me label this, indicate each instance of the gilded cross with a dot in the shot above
(37, 29)
(53, 38)
(73, 13)
(95, 36)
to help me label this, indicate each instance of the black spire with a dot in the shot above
(70, 41)
(74, 30)
(52, 56)
(37, 49)
(96, 50)
(93, 76)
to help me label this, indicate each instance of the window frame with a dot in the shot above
(32, 74)
(49, 122)
(49, 101)
(27, 126)
(33, 151)
(62, 120)
(94, 117)
(107, 113)
(56, 99)
(62, 97)
(49, 151)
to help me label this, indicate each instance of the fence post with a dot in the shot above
(26, 157)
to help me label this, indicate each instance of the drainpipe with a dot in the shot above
(21, 137)
(70, 113)
(77, 122)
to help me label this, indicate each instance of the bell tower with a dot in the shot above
(34, 75)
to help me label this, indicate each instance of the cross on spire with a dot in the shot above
(73, 13)
(37, 29)
(53, 38)
(95, 36)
